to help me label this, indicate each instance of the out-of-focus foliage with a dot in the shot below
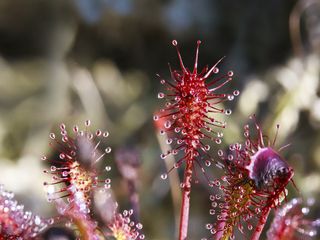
(67, 61)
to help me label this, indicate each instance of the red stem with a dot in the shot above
(260, 225)
(185, 205)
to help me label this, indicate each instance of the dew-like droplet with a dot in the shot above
(108, 168)
(174, 42)
(75, 128)
(230, 73)
(51, 221)
(105, 134)
(224, 178)
(209, 226)
(230, 97)
(98, 132)
(160, 95)
(213, 231)
(212, 212)
(167, 124)
(87, 123)
(155, 117)
(53, 168)
(228, 111)
(52, 135)
(139, 226)
(62, 126)
(305, 210)
(164, 176)
(108, 150)
(163, 156)
(236, 92)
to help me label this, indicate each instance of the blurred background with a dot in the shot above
(68, 61)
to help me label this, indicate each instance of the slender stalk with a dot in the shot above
(185, 206)
(260, 225)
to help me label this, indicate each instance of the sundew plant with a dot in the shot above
(248, 183)
(159, 120)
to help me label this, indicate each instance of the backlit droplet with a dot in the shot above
(230, 97)
(160, 95)
(87, 123)
(98, 132)
(105, 134)
(52, 136)
(108, 150)
(208, 163)
(236, 92)
(76, 129)
(164, 176)
(213, 231)
(167, 124)
(208, 226)
(53, 168)
(174, 42)
(228, 111)
(108, 168)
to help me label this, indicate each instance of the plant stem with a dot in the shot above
(185, 206)
(260, 225)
